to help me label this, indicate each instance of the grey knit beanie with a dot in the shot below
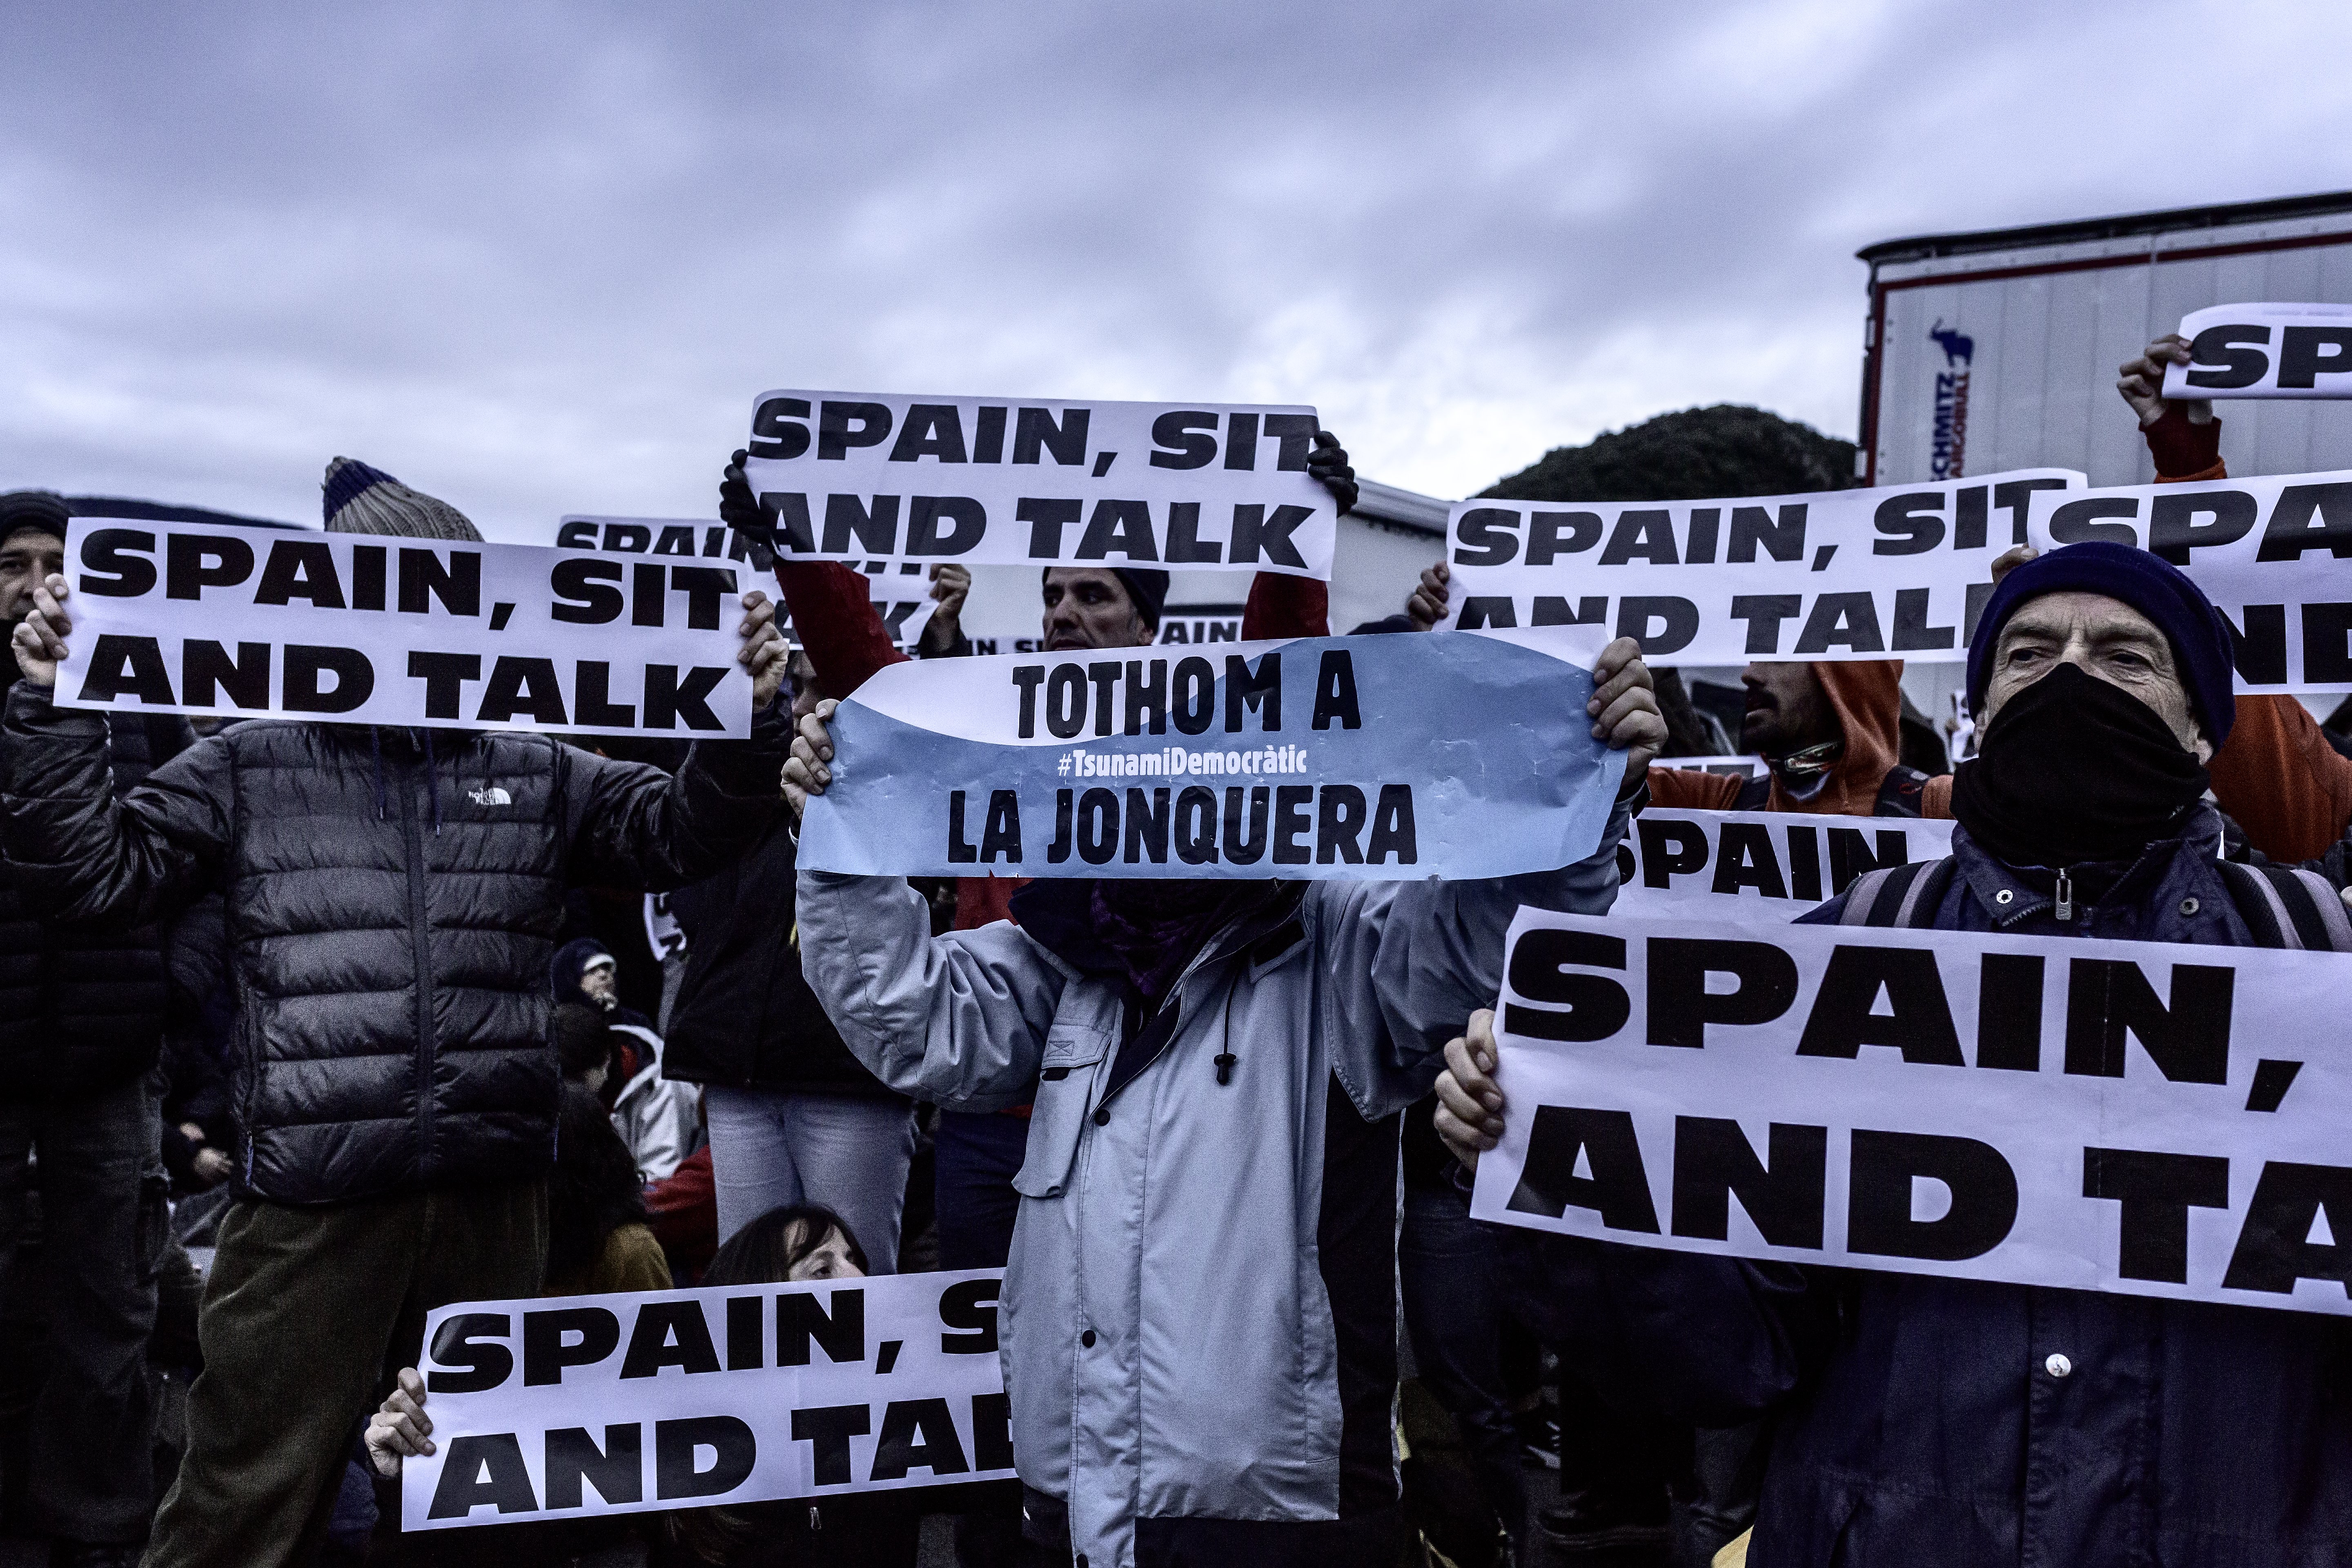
(361, 499)
(35, 511)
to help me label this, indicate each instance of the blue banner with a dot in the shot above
(1367, 758)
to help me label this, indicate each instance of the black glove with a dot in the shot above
(740, 510)
(1329, 464)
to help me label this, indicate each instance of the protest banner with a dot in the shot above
(553, 1407)
(1362, 758)
(1895, 573)
(2150, 1117)
(173, 617)
(901, 600)
(1769, 866)
(2273, 554)
(2264, 351)
(885, 479)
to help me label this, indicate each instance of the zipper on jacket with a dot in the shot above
(2065, 911)
(420, 939)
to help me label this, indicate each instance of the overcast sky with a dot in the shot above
(538, 260)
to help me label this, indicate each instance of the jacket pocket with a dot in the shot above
(1074, 1053)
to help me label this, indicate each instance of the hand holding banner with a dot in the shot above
(1794, 1093)
(2264, 351)
(258, 621)
(1374, 758)
(1041, 483)
(559, 1407)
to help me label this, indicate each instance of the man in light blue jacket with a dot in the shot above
(1199, 1315)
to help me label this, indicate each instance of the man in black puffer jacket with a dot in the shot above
(392, 898)
(82, 1018)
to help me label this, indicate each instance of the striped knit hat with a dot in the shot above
(361, 499)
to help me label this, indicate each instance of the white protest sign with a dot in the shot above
(882, 477)
(2273, 554)
(902, 600)
(172, 617)
(1893, 572)
(2152, 1118)
(1759, 864)
(663, 933)
(1373, 758)
(557, 1407)
(2264, 351)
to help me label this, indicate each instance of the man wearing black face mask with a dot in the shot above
(1932, 1422)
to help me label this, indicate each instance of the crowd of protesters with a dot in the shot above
(353, 1022)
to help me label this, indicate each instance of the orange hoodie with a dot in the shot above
(1867, 697)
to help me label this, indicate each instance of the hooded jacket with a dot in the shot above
(563, 974)
(1198, 1319)
(1866, 695)
(1917, 1421)
(391, 900)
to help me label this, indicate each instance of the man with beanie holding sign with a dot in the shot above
(392, 900)
(1925, 1421)
(81, 1022)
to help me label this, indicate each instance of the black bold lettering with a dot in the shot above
(918, 1435)
(1034, 428)
(843, 426)
(1339, 817)
(1575, 1006)
(999, 835)
(1640, 535)
(548, 1348)
(1783, 538)
(2305, 353)
(195, 562)
(1296, 434)
(444, 674)
(2188, 1040)
(1714, 1162)
(300, 568)
(1239, 850)
(1764, 613)
(827, 1430)
(469, 1342)
(306, 667)
(992, 1432)
(1180, 432)
(1121, 526)
(2274, 1246)
(1291, 822)
(1913, 523)
(966, 521)
(2008, 1012)
(1098, 826)
(481, 1469)
(2221, 346)
(969, 1308)
(1195, 695)
(1681, 1007)
(776, 433)
(2155, 1192)
(2180, 522)
(1551, 534)
(669, 1333)
(1335, 691)
(1918, 1020)
(582, 596)
(1618, 1190)
(875, 526)
(1246, 690)
(116, 563)
(1485, 536)
(802, 1319)
(670, 700)
(521, 685)
(2078, 522)
(2308, 517)
(1677, 621)
(678, 1446)
(119, 664)
(617, 1470)
(1196, 824)
(1882, 1167)
(592, 707)
(1146, 826)
(423, 579)
(1747, 861)
(933, 430)
(1670, 848)
(1392, 829)
(1047, 517)
(1255, 533)
(1850, 620)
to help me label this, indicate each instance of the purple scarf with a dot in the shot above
(1154, 928)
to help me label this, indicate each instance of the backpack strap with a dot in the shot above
(1905, 895)
(2288, 908)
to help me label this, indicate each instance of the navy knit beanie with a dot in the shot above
(2201, 639)
(357, 498)
(33, 512)
(1146, 587)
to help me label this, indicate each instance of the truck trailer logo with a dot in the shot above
(1949, 452)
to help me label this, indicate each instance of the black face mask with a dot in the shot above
(2074, 770)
